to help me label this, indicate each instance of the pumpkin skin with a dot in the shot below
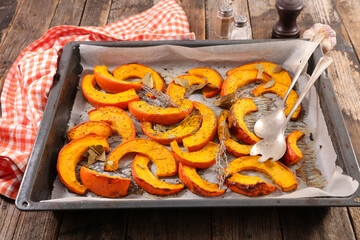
(279, 173)
(196, 184)
(281, 89)
(70, 155)
(238, 111)
(177, 92)
(161, 156)
(212, 77)
(90, 127)
(279, 76)
(99, 99)
(147, 181)
(104, 185)
(118, 119)
(232, 147)
(293, 154)
(203, 158)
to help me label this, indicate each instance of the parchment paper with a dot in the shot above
(325, 178)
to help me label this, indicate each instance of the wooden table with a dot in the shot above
(24, 21)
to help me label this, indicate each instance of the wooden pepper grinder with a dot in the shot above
(288, 11)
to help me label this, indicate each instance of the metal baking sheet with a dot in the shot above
(41, 170)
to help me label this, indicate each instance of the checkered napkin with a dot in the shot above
(29, 80)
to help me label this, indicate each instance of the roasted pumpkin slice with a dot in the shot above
(101, 99)
(281, 89)
(196, 184)
(144, 112)
(241, 78)
(70, 155)
(249, 185)
(293, 154)
(104, 185)
(213, 79)
(187, 127)
(206, 132)
(203, 158)
(275, 71)
(176, 91)
(147, 181)
(118, 119)
(238, 111)
(281, 175)
(90, 127)
(161, 156)
(110, 84)
(232, 147)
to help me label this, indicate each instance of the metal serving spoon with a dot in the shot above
(275, 146)
(268, 124)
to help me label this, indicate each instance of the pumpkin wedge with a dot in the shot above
(176, 91)
(273, 70)
(203, 158)
(249, 185)
(196, 184)
(101, 99)
(281, 175)
(104, 185)
(213, 79)
(293, 154)
(90, 127)
(281, 89)
(232, 147)
(238, 111)
(110, 84)
(144, 112)
(206, 132)
(187, 127)
(147, 181)
(161, 156)
(70, 155)
(118, 119)
(241, 78)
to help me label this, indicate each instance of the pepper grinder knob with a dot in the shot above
(288, 11)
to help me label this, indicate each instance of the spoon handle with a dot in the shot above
(316, 38)
(322, 64)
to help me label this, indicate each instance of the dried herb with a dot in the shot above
(193, 88)
(94, 154)
(260, 69)
(148, 80)
(277, 69)
(213, 86)
(225, 101)
(141, 166)
(182, 82)
(221, 161)
(270, 83)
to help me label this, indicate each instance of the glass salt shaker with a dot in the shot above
(223, 21)
(240, 28)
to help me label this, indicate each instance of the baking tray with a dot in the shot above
(41, 172)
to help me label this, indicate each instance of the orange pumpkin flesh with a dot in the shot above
(118, 119)
(144, 112)
(206, 132)
(147, 181)
(281, 175)
(90, 127)
(100, 99)
(189, 126)
(249, 185)
(104, 185)
(212, 77)
(239, 79)
(281, 75)
(177, 92)
(293, 154)
(203, 158)
(196, 184)
(70, 155)
(161, 156)
(232, 147)
(281, 89)
(238, 111)
(110, 84)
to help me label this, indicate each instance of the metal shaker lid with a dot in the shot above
(226, 10)
(240, 21)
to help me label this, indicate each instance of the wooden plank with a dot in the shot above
(96, 13)
(263, 18)
(8, 9)
(195, 12)
(355, 220)
(172, 224)
(245, 223)
(9, 217)
(124, 9)
(68, 12)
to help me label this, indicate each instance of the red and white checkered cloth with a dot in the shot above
(29, 80)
